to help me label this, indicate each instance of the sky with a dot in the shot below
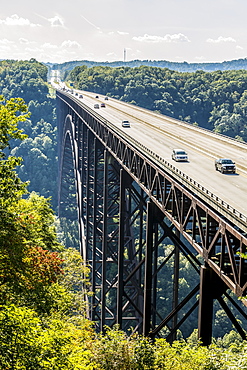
(123, 30)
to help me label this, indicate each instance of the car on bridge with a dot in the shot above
(179, 155)
(102, 105)
(125, 123)
(96, 106)
(225, 165)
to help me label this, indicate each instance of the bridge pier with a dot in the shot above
(122, 218)
(148, 270)
(206, 300)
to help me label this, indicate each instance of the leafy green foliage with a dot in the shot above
(115, 350)
(12, 112)
(28, 343)
(28, 264)
(75, 280)
(28, 81)
(38, 326)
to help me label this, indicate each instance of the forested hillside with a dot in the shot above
(28, 80)
(216, 100)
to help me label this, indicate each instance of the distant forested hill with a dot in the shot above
(28, 80)
(214, 100)
(64, 68)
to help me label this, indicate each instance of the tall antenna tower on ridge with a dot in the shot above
(124, 55)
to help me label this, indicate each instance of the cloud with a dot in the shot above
(23, 41)
(6, 45)
(111, 55)
(122, 33)
(67, 44)
(15, 20)
(221, 39)
(56, 21)
(48, 45)
(5, 42)
(70, 44)
(179, 37)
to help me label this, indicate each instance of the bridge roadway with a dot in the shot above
(161, 134)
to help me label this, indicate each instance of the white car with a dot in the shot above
(179, 155)
(96, 106)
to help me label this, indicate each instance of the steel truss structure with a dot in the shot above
(136, 224)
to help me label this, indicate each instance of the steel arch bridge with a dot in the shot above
(138, 218)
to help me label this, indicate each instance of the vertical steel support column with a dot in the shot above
(94, 270)
(120, 288)
(148, 270)
(104, 242)
(155, 279)
(141, 237)
(175, 285)
(140, 254)
(87, 192)
(205, 315)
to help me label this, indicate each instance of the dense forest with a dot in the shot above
(28, 80)
(216, 100)
(43, 279)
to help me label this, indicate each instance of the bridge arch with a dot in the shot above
(70, 156)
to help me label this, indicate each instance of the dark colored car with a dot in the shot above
(102, 105)
(225, 165)
(125, 123)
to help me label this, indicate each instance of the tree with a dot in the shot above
(12, 112)
(26, 343)
(28, 80)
